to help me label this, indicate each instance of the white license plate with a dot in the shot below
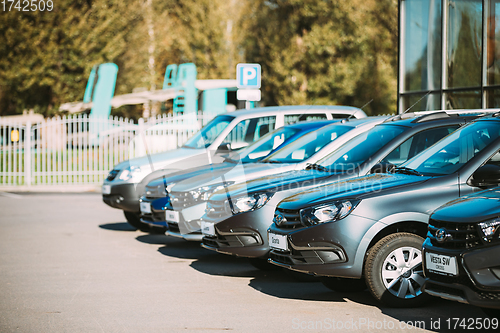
(172, 216)
(441, 264)
(278, 242)
(145, 207)
(207, 228)
(106, 189)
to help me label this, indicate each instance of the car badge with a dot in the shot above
(441, 235)
(279, 218)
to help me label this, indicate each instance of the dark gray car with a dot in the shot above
(244, 233)
(373, 227)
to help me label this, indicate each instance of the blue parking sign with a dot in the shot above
(248, 76)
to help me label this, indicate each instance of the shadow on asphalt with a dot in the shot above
(153, 239)
(119, 226)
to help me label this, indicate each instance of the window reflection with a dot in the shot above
(493, 44)
(464, 47)
(493, 98)
(422, 56)
(421, 102)
(463, 99)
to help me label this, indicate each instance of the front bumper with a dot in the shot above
(327, 249)
(189, 225)
(243, 235)
(122, 196)
(478, 277)
(157, 215)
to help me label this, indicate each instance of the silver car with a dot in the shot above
(230, 131)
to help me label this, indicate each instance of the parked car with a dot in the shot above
(373, 227)
(461, 253)
(188, 198)
(230, 131)
(243, 231)
(154, 200)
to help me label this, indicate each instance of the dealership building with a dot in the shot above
(449, 54)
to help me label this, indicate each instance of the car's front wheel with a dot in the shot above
(393, 270)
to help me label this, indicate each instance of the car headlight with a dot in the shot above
(490, 230)
(249, 203)
(327, 213)
(129, 172)
(203, 193)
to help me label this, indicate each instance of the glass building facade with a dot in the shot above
(449, 54)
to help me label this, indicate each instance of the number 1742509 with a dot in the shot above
(27, 5)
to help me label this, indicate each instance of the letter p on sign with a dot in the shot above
(248, 76)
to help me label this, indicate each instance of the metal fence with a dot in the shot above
(81, 149)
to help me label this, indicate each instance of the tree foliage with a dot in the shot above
(311, 51)
(325, 52)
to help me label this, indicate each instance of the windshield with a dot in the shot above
(358, 150)
(207, 135)
(266, 144)
(307, 145)
(452, 152)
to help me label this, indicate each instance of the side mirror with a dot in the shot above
(486, 176)
(382, 167)
(224, 147)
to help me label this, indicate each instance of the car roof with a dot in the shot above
(263, 111)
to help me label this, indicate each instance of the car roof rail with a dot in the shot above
(442, 114)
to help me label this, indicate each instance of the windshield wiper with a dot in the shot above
(407, 171)
(315, 166)
(270, 161)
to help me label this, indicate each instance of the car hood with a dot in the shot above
(355, 188)
(479, 207)
(278, 182)
(236, 174)
(161, 160)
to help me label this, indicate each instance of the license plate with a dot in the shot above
(278, 242)
(441, 264)
(106, 189)
(172, 216)
(207, 228)
(145, 207)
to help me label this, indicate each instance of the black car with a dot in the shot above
(461, 253)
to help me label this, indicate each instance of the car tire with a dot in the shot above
(262, 264)
(343, 285)
(492, 313)
(393, 270)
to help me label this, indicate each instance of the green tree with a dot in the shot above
(324, 52)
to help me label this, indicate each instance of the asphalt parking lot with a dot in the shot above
(69, 263)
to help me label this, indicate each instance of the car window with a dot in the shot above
(418, 143)
(307, 145)
(294, 118)
(208, 134)
(266, 144)
(361, 148)
(249, 130)
(451, 153)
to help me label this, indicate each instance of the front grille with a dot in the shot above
(459, 235)
(112, 174)
(181, 200)
(489, 296)
(287, 219)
